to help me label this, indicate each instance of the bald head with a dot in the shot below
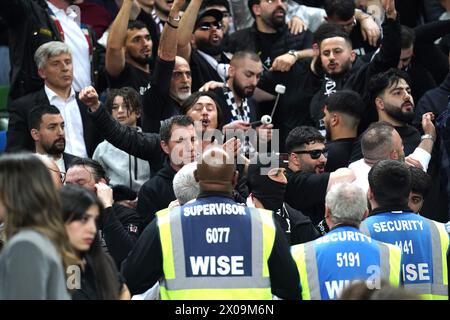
(239, 58)
(216, 171)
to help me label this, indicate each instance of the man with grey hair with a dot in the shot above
(185, 187)
(33, 22)
(55, 67)
(344, 255)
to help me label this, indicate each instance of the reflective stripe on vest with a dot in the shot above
(305, 257)
(438, 290)
(175, 285)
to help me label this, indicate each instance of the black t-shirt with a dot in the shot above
(306, 192)
(131, 77)
(339, 153)
(264, 43)
(410, 137)
(293, 106)
(157, 104)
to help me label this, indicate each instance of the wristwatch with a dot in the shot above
(427, 136)
(293, 53)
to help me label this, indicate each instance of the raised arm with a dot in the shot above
(115, 49)
(167, 49)
(142, 145)
(186, 27)
(390, 47)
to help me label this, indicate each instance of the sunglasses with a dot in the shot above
(315, 154)
(210, 25)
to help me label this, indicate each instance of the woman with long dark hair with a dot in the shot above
(99, 277)
(37, 250)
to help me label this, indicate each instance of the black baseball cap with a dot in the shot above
(217, 14)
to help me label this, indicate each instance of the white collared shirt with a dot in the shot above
(72, 119)
(78, 44)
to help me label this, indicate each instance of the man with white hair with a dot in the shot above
(344, 255)
(184, 185)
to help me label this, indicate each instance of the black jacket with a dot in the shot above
(120, 227)
(19, 137)
(434, 100)
(202, 71)
(156, 194)
(248, 39)
(306, 192)
(297, 227)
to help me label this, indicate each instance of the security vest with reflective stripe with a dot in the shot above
(214, 248)
(330, 263)
(425, 244)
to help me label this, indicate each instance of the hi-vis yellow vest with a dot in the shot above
(215, 248)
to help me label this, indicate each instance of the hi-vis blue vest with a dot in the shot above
(425, 244)
(214, 248)
(329, 264)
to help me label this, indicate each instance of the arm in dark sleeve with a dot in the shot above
(142, 145)
(144, 265)
(269, 80)
(306, 190)
(118, 239)
(427, 53)
(430, 32)
(146, 206)
(390, 49)
(162, 75)
(155, 102)
(283, 271)
(307, 40)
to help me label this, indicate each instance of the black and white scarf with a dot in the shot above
(242, 113)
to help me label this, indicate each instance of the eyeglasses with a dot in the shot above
(315, 154)
(205, 26)
(62, 174)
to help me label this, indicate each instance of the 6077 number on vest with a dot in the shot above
(217, 245)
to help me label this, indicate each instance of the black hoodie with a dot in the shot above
(156, 194)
